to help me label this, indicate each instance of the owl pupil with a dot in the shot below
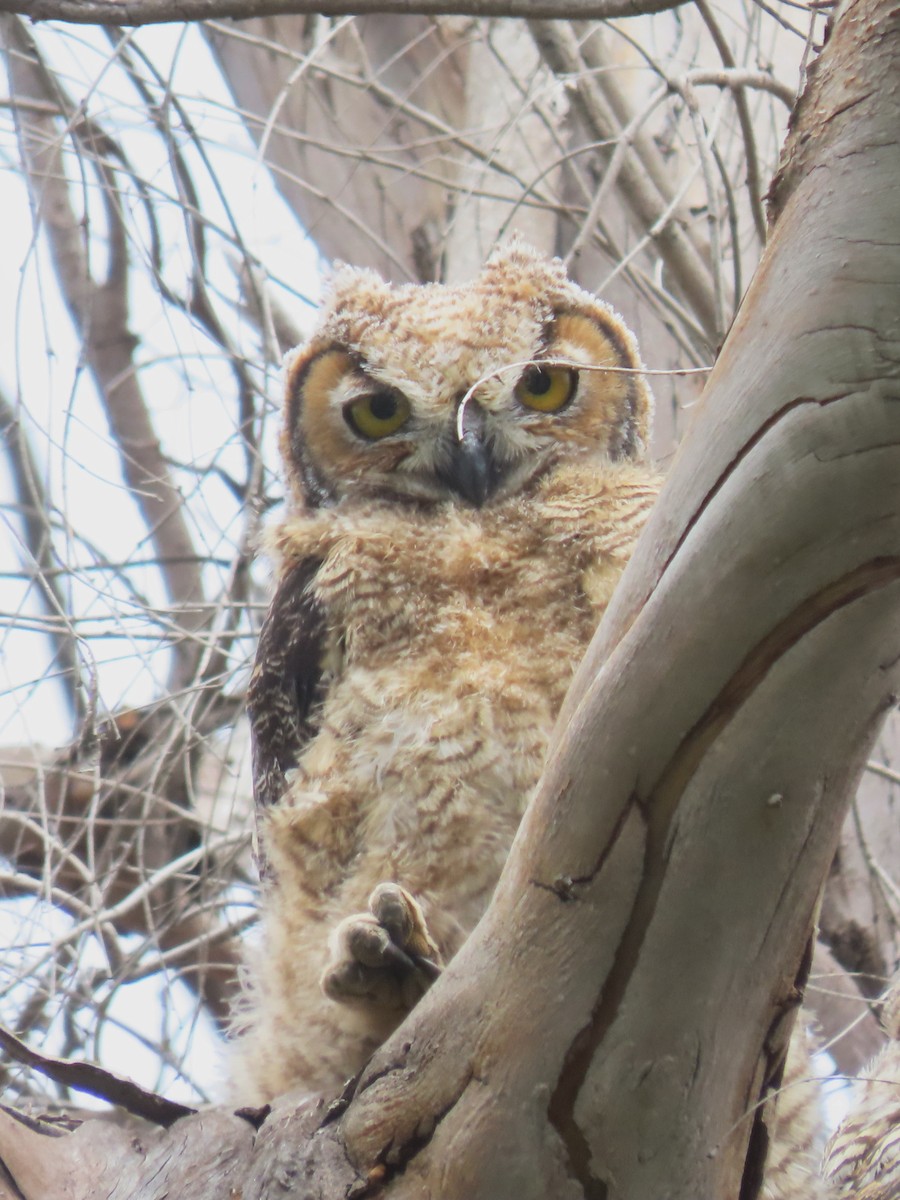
(539, 382)
(383, 406)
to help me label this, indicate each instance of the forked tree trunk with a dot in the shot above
(610, 1026)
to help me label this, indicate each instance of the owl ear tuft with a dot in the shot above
(514, 255)
(345, 281)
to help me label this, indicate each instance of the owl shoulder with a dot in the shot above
(592, 493)
(593, 511)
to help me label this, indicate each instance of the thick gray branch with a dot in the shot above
(149, 12)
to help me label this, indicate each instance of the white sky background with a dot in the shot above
(41, 375)
(39, 366)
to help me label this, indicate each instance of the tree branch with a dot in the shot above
(148, 12)
(96, 1081)
(34, 510)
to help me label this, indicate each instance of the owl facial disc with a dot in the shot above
(459, 394)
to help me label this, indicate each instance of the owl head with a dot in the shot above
(465, 394)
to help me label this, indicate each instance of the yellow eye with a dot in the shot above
(378, 414)
(546, 389)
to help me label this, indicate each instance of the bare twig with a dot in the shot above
(34, 509)
(754, 179)
(737, 79)
(878, 768)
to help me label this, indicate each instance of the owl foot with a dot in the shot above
(384, 957)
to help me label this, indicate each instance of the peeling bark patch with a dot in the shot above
(341, 1103)
(745, 450)
(254, 1116)
(659, 810)
(835, 86)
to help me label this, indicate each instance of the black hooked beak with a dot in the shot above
(471, 470)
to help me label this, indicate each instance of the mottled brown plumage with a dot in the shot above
(795, 1118)
(862, 1159)
(466, 490)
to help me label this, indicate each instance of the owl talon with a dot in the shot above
(385, 957)
(427, 967)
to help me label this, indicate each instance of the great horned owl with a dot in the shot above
(468, 474)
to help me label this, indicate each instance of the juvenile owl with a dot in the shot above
(468, 474)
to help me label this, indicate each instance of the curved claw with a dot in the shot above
(428, 967)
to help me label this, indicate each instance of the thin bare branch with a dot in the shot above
(645, 203)
(737, 79)
(34, 510)
(754, 178)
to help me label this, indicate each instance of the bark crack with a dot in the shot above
(564, 886)
(745, 450)
(775, 1049)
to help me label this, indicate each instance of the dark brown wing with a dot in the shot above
(285, 686)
